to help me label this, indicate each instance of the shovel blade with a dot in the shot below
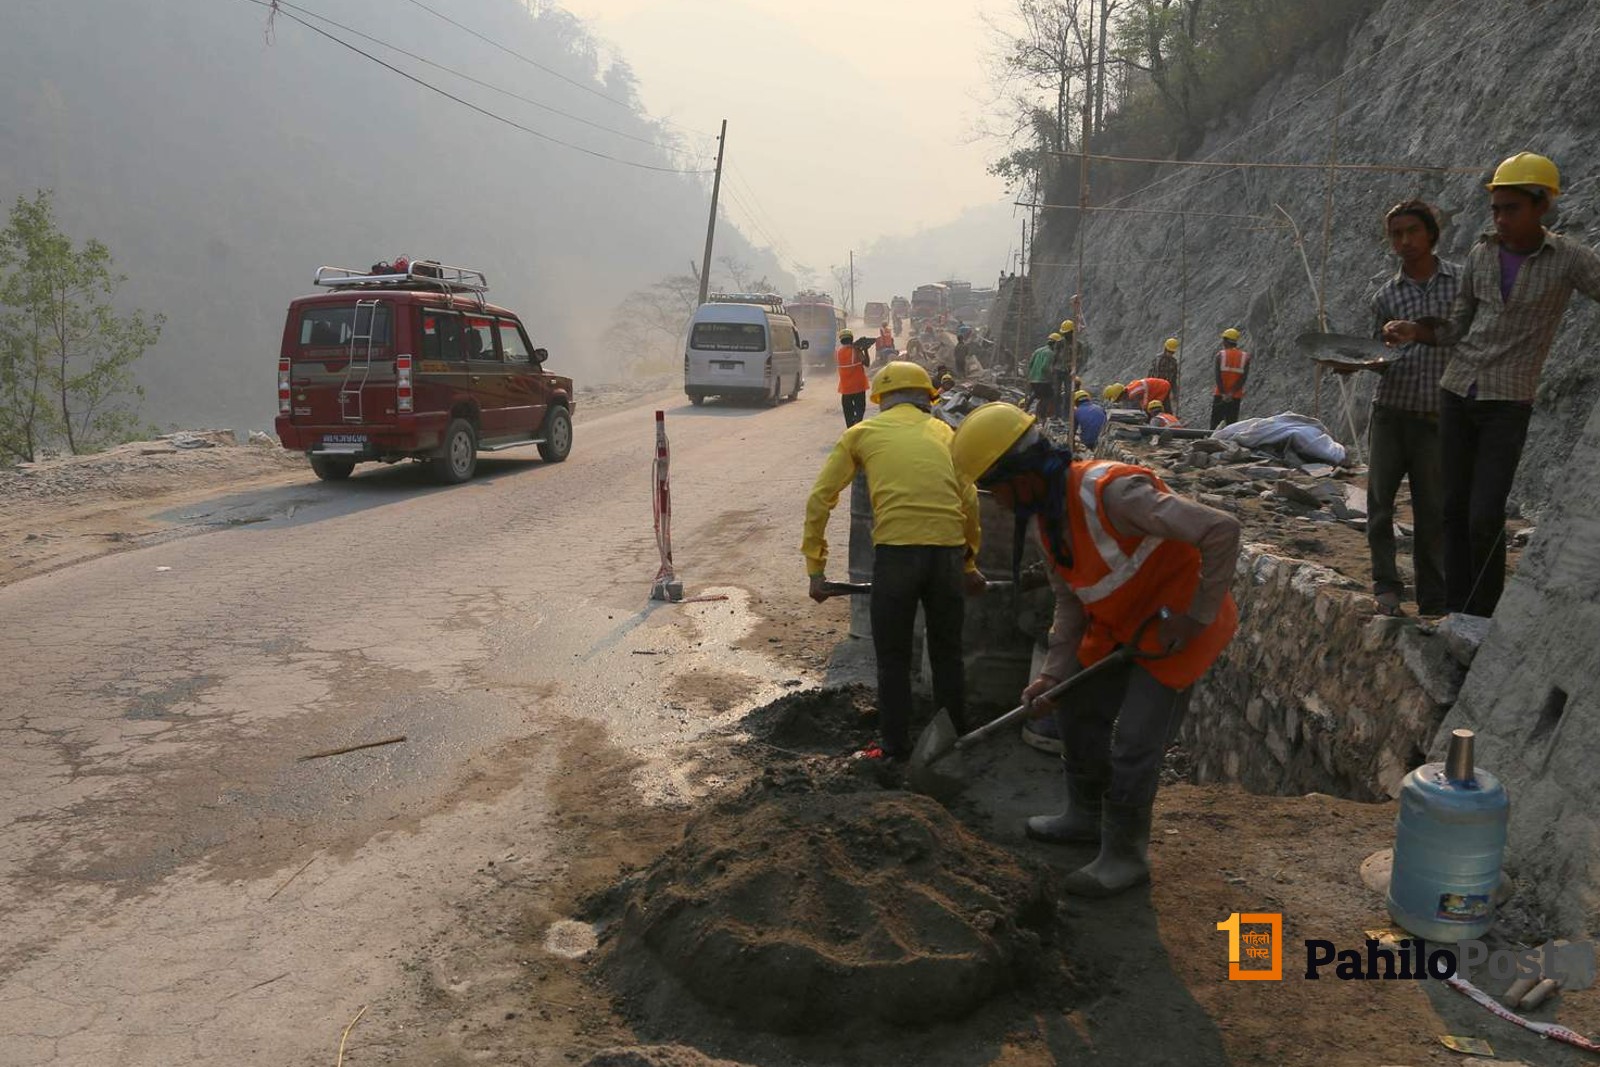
(937, 740)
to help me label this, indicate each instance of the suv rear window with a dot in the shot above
(325, 326)
(728, 337)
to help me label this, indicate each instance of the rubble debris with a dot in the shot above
(654, 1056)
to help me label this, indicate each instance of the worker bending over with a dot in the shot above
(1139, 392)
(925, 533)
(1089, 416)
(1158, 415)
(1123, 550)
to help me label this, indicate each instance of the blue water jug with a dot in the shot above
(1450, 838)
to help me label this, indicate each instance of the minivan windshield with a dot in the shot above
(328, 325)
(812, 316)
(728, 337)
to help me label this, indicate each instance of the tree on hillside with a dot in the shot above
(649, 324)
(66, 356)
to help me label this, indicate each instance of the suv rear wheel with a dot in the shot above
(459, 457)
(331, 470)
(557, 435)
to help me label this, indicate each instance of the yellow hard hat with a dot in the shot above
(846, 335)
(1172, 344)
(1057, 337)
(1527, 168)
(1114, 391)
(1154, 407)
(1067, 326)
(900, 374)
(1080, 396)
(1230, 334)
(986, 435)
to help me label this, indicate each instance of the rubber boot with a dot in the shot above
(1080, 823)
(1124, 848)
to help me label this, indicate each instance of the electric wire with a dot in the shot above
(467, 103)
(468, 77)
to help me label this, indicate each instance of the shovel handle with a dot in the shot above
(1123, 654)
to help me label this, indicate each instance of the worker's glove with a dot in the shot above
(819, 591)
(1038, 709)
(1177, 631)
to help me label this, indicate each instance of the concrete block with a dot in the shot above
(1463, 635)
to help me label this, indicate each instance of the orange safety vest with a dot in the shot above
(1123, 580)
(1232, 363)
(1164, 418)
(852, 375)
(1143, 390)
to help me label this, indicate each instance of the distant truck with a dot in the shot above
(876, 315)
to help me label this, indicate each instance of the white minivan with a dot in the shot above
(743, 348)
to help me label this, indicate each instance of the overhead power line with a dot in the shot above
(279, 8)
(468, 77)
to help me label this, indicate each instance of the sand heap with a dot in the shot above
(792, 910)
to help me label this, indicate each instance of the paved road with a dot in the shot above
(155, 822)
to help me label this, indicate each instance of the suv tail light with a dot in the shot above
(283, 387)
(402, 383)
(767, 373)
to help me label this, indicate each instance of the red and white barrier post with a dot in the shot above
(666, 585)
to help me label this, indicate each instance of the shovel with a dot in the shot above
(938, 739)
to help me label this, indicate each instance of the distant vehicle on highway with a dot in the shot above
(409, 361)
(930, 306)
(876, 315)
(743, 345)
(819, 323)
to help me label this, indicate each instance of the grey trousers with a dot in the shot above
(1116, 729)
(1406, 446)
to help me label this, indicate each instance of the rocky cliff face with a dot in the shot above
(1422, 83)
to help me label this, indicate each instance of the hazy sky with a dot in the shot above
(847, 119)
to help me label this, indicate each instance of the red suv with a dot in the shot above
(409, 361)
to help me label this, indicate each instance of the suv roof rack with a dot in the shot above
(419, 274)
(772, 300)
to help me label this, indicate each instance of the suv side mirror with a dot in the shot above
(805, 344)
(541, 354)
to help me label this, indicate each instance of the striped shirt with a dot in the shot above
(1501, 344)
(1412, 382)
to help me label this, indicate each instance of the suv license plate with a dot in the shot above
(352, 442)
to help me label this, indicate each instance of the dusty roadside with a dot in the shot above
(66, 510)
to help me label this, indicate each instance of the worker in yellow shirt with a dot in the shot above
(925, 533)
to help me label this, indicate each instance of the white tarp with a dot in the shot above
(1300, 434)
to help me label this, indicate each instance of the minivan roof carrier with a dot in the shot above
(419, 274)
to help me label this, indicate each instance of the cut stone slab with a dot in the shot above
(1463, 634)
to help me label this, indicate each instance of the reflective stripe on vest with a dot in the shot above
(1120, 565)
(1232, 363)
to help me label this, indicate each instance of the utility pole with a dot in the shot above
(711, 226)
(851, 310)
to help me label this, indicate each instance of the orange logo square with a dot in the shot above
(1255, 946)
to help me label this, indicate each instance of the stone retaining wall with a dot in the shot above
(1316, 694)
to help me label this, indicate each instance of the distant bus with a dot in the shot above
(819, 322)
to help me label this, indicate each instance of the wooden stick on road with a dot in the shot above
(346, 1036)
(351, 748)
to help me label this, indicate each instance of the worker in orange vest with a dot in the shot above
(852, 378)
(1233, 367)
(1139, 392)
(1159, 416)
(885, 343)
(1124, 552)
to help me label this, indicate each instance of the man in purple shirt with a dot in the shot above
(1515, 287)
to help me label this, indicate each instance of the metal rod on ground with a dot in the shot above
(711, 226)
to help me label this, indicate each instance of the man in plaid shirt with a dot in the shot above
(1404, 433)
(1514, 289)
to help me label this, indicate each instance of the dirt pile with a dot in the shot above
(795, 909)
(654, 1056)
(829, 721)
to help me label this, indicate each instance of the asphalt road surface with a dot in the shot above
(178, 886)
